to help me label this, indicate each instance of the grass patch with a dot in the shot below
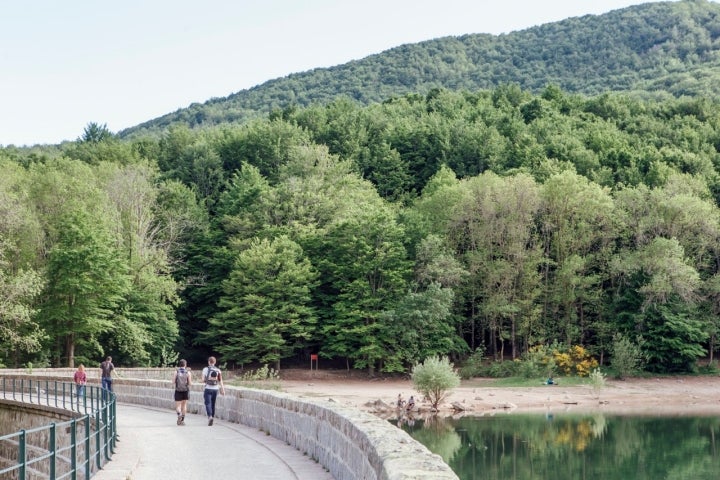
(524, 382)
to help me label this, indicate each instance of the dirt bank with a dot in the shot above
(653, 396)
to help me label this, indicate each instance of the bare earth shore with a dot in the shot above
(646, 396)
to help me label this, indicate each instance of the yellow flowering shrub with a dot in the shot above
(576, 361)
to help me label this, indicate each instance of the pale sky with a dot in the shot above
(67, 63)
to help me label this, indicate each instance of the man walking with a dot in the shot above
(212, 378)
(106, 369)
(182, 381)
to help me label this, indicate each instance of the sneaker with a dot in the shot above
(210, 422)
(182, 420)
(179, 420)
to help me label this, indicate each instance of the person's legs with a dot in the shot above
(106, 386)
(183, 411)
(210, 398)
(107, 383)
(178, 410)
(214, 399)
(207, 397)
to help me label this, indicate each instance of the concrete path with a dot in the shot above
(152, 446)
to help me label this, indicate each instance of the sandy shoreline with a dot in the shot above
(647, 396)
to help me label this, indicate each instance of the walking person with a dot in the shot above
(212, 378)
(106, 372)
(80, 379)
(182, 379)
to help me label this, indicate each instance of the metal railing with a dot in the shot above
(72, 449)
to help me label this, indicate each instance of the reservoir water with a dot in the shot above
(593, 446)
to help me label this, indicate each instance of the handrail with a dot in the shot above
(72, 449)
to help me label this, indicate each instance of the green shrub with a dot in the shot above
(710, 369)
(536, 362)
(597, 381)
(502, 369)
(474, 365)
(627, 357)
(434, 377)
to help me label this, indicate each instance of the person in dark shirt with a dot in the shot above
(106, 372)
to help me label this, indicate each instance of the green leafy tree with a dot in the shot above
(147, 326)
(435, 378)
(86, 281)
(266, 314)
(96, 133)
(421, 325)
(20, 334)
(366, 266)
(577, 230)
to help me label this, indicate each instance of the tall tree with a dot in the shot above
(577, 231)
(147, 328)
(366, 266)
(266, 304)
(86, 281)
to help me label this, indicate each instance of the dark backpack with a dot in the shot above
(182, 382)
(213, 376)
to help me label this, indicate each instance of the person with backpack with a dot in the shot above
(212, 378)
(106, 375)
(182, 379)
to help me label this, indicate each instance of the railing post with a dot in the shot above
(98, 446)
(21, 455)
(88, 457)
(106, 431)
(53, 449)
(73, 449)
(113, 422)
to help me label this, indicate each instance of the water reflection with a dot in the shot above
(572, 446)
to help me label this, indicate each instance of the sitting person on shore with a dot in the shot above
(400, 401)
(411, 403)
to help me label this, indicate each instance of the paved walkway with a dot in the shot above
(152, 447)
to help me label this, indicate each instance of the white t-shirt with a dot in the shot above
(206, 372)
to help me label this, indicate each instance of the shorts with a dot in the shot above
(180, 396)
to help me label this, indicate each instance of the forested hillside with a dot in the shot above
(660, 48)
(451, 223)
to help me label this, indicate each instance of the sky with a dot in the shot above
(65, 64)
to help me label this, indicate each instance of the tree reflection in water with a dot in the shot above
(571, 446)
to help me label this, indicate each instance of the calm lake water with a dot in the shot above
(590, 446)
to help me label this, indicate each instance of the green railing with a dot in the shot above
(72, 449)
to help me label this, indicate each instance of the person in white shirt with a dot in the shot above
(212, 378)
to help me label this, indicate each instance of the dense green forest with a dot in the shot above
(653, 49)
(469, 223)
(449, 223)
